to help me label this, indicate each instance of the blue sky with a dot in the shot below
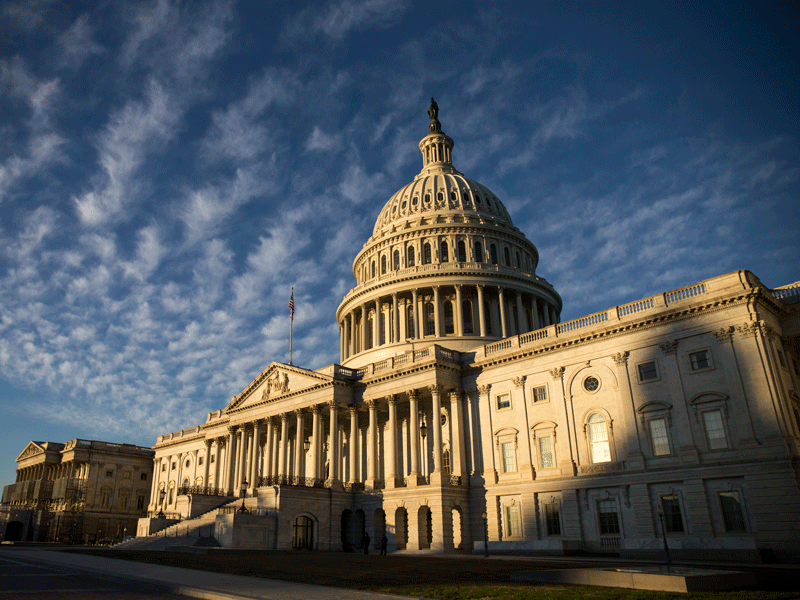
(168, 171)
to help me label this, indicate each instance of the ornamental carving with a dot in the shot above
(621, 358)
(519, 381)
(747, 330)
(557, 373)
(483, 390)
(277, 383)
(436, 389)
(723, 334)
(669, 347)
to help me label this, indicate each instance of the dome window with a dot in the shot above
(462, 251)
(440, 197)
(518, 263)
(465, 198)
(404, 204)
(383, 265)
(444, 253)
(396, 260)
(493, 254)
(478, 200)
(478, 252)
(466, 316)
(430, 322)
(452, 196)
(507, 256)
(410, 257)
(427, 198)
(426, 254)
(415, 201)
(448, 318)
(394, 209)
(488, 202)
(373, 268)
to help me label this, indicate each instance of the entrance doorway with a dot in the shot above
(14, 531)
(303, 533)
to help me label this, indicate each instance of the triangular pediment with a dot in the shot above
(276, 381)
(32, 449)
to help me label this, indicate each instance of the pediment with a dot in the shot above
(276, 381)
(32, 449)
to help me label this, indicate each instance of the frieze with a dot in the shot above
(277, 383)
(601, 468)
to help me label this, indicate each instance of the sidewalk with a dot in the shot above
(196, 584)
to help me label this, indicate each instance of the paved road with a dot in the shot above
(24, 579)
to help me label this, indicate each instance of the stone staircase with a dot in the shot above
(184, 534)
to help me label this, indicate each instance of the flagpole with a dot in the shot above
(291, 323)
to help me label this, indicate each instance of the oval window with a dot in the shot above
(403, 206)
(591, 383)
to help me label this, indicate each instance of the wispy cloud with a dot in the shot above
(76, 43)
(336, 19)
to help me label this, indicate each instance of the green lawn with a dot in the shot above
(438, 577)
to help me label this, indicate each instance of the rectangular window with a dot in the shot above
(200, 461)
(699, 360)
(126, 475)
(140, 502)
(672, 513)
(212, 459)
(106, 499)
(143, 477)
(514, 522)
(546, 459)
(503, 401)
(123, 502)
(607, 517)
(174, 465)
(540, 394)
(732, 512)
(648, 371)
(552, 519)
(163, 467)
(509, 461)
(658, 435)
(109, 473)
(715, 430)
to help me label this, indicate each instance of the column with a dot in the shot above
(459, 463)
(353, 444)
(436, 312)
(363, 327)
(268, 448)
(520, 314)
(376, 325)
(255, 475)
(371, 441)
(154, 486)
(535, 311)
(481, 316)
(206, 462)
(315, 435)
(299, 444)
(501, 300)
(275, 452)
(546, 314)
(395, 318)
(485, 422)
(458, 313)
(333, 442)
(436, 426)
(391, 450)
(553, 314)
(413, 421)
(217, 458)
(247, 438)
(229, 457)
(283, 456)
(415, 313)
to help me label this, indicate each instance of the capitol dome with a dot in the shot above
(444, 265)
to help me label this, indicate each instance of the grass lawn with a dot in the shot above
(437, 577)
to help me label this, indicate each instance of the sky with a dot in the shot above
(170, 170)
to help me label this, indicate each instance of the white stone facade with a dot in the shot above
(464, 412)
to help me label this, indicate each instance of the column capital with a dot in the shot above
(436, 388)
(316, 409)
(332, 404)
(412, 394)
(371, 403)
(669, 347)
(455, 395)
(483, 390)
(207, 442)
(299, 412)
(284, 417)
(519, 381)
(723, 334)
(621, 358)
(353, 408)
(557, 373)
(391, 399)
(233, 428)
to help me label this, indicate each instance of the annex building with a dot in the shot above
(83, 491)
(463, 411)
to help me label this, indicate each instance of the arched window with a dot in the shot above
(515, 312)
(478, 252)
(410, 322)
(462, 251)
(487, 317)
(466, 316)
(597, 433)
(426, 254)
(396, 260)
(444, 254)
(446, 461)
(518, 263)
(448, 318)
(381, 321)
(373, 268)
(370, 325)
(507, 256)
(439, 197)
(383, 265)
(430, 321)
(410, 258)
(493, 253)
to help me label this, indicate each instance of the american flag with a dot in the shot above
(291, 306)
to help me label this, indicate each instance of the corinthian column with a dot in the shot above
(254, 458)
(459, 463)
(333, 443)
(299, 450)
(371, 441)
(206, 461)
(353, 442)
(436, 426)
(316, 434)
(413, 422)
(481, 316)
(229, 460)
(391, 456)
(283, 458)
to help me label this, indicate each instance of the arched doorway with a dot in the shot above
(425, 528)
(347, 525)
(14, 531)
(303, 533)
(401, 528)
(378, 527)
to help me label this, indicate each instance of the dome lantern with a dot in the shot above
(436, 147)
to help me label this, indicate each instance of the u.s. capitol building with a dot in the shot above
(464, 412)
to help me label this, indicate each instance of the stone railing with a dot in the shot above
(291, 480)
(155, 514)
(788, 294)
(199, 490)
(411, 356)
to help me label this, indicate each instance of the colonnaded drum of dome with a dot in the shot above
(444, 264)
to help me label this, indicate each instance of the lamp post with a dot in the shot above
(161, 495)
(423, 431)
(485, 534)
(664, 535)
(243, 509)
